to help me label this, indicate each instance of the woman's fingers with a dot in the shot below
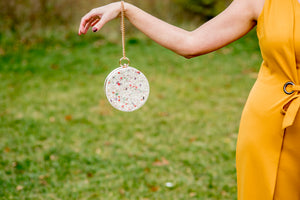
(95, 22)
(97, 26)
(90, 23)
(82, 25)
(87, 20)
(86, 26)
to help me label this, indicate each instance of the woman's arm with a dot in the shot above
(234, 22)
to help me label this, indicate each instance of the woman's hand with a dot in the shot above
(97, 17)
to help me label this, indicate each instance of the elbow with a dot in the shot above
(193, 50)
(189, 48)
(186, 52)
(189, 53)
(188, 56)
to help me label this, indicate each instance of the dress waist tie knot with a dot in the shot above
(290, 109)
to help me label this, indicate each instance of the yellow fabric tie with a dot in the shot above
(290, 109)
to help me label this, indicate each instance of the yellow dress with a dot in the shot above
(268, 147)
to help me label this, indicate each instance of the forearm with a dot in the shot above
(228, 26)
(165, 34)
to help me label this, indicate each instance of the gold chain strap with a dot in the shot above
(123, 37)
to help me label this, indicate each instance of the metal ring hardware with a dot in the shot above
(285, 86)
(125, 64)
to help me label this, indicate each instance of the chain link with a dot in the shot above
(123, 35)
(123, 28)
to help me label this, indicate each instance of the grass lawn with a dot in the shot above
(60, 138)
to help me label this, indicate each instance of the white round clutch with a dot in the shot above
(126, 88)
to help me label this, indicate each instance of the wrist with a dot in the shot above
(126, 7)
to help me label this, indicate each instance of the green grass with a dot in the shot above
(60, 138)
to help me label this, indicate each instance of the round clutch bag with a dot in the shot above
(126, 88)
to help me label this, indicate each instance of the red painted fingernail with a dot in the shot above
(94, 29)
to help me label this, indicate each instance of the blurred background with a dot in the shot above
(61, 139)
(29, 17)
